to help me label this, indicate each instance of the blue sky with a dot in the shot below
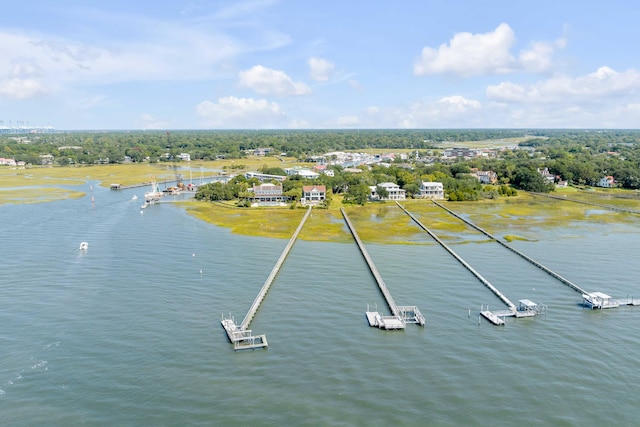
(307, 64)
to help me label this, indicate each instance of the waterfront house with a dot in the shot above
(313, 194)
(548, 176)
(394, 192)
(486, 177)
(607, 182)
(268, 194)
(432, 190)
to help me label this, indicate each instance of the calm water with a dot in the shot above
(128, 333)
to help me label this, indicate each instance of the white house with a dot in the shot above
(313, 194)
(607, 182)
(432, 190)
(268, 194)
(394, 192)
(486, 177)
(264, 177)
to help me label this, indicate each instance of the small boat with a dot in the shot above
(134, 197)
(84, 246)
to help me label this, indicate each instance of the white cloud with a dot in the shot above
(233, 112)
(372, 110)
(347, 121)
(538, 58)
(447, 112)
(320, 69)
(114, 48)
(355, 84)
(604, 83)
(147, 121)
(458, 104)
(470, 54)
(22, 88)
(487, 53)
(267, 81)
(298, 124)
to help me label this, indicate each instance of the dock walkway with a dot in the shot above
(241, 336)
(600, 205)
(400, 314)
(515, 251)
(503, 298)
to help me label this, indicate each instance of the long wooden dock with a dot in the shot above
(484, 281)
(515, 251)
(400, 314)
(241, 335)
(584, 202)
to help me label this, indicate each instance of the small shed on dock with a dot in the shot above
(527, 305)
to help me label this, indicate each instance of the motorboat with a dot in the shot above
(84, 246)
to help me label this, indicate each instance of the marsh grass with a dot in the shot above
(381, 222)
(37, 195)
(125, 174)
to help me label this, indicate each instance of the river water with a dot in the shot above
(128, 333)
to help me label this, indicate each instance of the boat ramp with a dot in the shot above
(400, 315)
(526, 308)
(240, 335)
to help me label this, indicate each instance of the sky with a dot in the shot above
(309, 64)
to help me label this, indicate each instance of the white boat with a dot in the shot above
(598, 300)
(154, 195)
(134, 197)
(84, 246)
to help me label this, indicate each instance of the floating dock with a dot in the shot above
(524, 310)
(400, 315)
(241, 336)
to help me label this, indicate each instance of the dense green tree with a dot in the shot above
(529, 179)
(357, 194)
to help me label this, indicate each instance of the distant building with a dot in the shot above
(262, 151)
(46, 159)
(7, 162)
(461, 152)
(548, 176)
(304, 173)
(268, 194)
(607, 182)
(313, 194)
(185, 157)
(394, 192)
(264, 176)
(432, 190)
(486, 177)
